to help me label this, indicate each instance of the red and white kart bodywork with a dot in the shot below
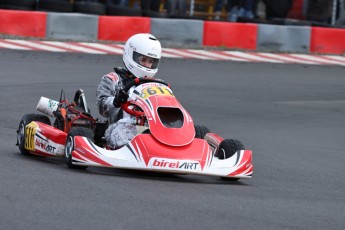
(167, 140)
(169, 146)
(44, 140)
(144, 152)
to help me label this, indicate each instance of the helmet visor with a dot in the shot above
(146, 61)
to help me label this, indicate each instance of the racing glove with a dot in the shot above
(120, 98)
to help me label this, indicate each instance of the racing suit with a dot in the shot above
(121, 129)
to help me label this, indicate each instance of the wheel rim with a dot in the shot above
(21, 134)
(69, 147)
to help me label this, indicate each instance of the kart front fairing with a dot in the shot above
(144, 152)
(168, 121)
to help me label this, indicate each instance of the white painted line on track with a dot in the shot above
(119, 45)
(288, 59)
(338, 58)
(315, 58)
(251, 56)
(11, 46)
(327, 60)
(105, 48)
(217, 55)
(186, 54)
(36, 45)
(168, 55)
(74, 47)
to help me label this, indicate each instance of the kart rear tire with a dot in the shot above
(201, 131)
(69, 146)
(228, 148)
(27, 119)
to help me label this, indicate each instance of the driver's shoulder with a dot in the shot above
(114, 77)
(117, 75)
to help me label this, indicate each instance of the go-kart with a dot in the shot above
(167, 139)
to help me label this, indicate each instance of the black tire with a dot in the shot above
(201, 131)
(69, 146)
(18, 4)
(55, 6)
(89, 8)
(228, 148)
(154, 14)
(122, 11)
(101, 126)
(27, 119)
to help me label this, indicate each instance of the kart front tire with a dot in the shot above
(228, 148)
(69, 146)
(201, 131)
(21, 132)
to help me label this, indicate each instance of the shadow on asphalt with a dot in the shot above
(131, 173)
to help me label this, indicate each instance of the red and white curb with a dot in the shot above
(117, 49)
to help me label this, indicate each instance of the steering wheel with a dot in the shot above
(132, 111)
(135, 82)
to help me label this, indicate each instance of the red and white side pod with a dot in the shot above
(144, 152)
(44, 140)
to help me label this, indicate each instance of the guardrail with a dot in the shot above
(174, 32)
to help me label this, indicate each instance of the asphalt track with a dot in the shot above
(291, 116)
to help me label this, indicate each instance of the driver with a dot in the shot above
(141, 56)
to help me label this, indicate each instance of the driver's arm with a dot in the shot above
(106, 91)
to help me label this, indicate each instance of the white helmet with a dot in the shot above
(142, 45)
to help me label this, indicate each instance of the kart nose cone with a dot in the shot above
(169, 122)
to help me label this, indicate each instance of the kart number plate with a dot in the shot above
(30, 132)
(155, 90)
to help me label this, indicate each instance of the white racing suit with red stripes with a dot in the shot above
(121, 128)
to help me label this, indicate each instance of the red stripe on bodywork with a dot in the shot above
(52, 133)
(140, 148)
(89, 152)
(245, 163)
